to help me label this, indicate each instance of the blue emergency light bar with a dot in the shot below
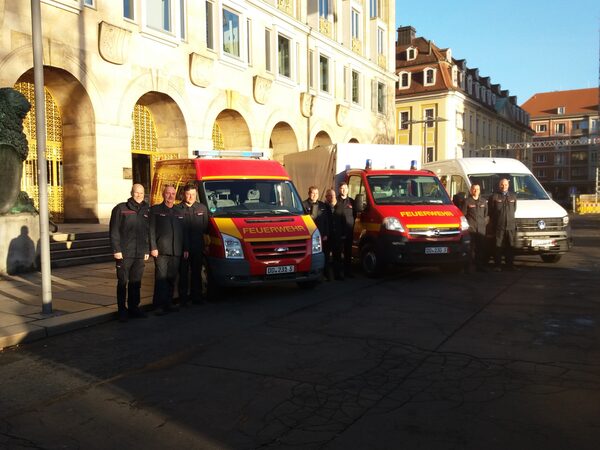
(228, 154)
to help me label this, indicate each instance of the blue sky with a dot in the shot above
(527, 46)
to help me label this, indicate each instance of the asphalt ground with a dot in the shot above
(418, 359)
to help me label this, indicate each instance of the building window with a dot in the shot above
(380, 41)
(541, 128)
(158, 15)
(374, 7)
(128, 12)
(404, 80)
(324, 8)
(355, 24)
(324, 72)
(560, 110)
(283, 56)
(404, 120)
(579, 156)
(560, 159)
(541, 158)
(470, 84)
(540, 173)
(210, 41)
(268, 67)
(231, 32)
(381, 98)
(429, 154)
(429, 117)
(355, 87)
(311, 69)
(560, 128)
(429, 77)
(411, 54)
(559, 174)
(88, 2)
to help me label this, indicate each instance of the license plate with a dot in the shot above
(542, 242)
(280, 269)
(435, 250)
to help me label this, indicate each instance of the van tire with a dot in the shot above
(550, 258)
(370, 262)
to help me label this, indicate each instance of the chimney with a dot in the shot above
(406, 35)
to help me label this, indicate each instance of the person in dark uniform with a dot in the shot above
(196, 225)
(319, 213)
(128, 230)
(502, 206)
(333, 246)
(475, 209)
(345, 208)
(168, 243)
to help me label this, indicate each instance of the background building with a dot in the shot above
(449, 109)
(561, 118)
(134, 81)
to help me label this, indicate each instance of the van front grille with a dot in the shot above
(530, 225)
(274, 250)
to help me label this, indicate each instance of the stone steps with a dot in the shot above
(75, 249)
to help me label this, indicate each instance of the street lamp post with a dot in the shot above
(426, 121)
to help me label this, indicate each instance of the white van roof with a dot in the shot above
(480, 165)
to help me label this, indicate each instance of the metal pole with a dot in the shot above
(40, 125)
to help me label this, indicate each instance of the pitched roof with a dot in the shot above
(577, 101)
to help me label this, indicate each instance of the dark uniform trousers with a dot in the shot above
(193, 266)
(476, 212)
(345, 208)
(129, 282)
(166, 268)
(502, 213)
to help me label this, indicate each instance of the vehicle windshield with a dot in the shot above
(230, 198)
(407, 190)
(523, 184)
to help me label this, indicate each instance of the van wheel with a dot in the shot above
(210, 289)
(550, 258)
(370, 262)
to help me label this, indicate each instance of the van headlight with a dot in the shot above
(233, 247)
(566, 221)
(464, 223)
(393, 224)
(317, 246)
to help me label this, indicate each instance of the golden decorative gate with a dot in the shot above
(144, 147)
(54, 153)
(217, 137)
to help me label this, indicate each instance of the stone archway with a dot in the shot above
(233, 131)
(353, 141)
(77, 169)
(159, 132)
(322, 138)
(283, 141)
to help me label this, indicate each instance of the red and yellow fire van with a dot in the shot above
(406, 217)
(259, 232)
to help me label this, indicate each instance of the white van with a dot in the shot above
(542, 224)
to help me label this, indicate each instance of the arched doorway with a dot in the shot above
(230, 131)
(353, 141)
(54, 152)
(156, 123)
(322, 138)
(283, 141)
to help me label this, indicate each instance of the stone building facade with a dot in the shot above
(448, 108)
(135, 81)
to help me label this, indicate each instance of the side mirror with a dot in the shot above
(360, 203)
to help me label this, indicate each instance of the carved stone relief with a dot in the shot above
(341, 114)
(262, 89)
(201, 70)
(306, 104)
(113, 43)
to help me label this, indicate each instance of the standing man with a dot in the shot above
(128, 232)
(196, 224)
(475, 209)
(319, 213)
(333, 246)
(168, 243)
(345, 208)
(502, 206)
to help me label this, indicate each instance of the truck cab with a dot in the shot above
(405, 217)
(258, 230)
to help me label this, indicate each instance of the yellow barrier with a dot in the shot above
(584, 207)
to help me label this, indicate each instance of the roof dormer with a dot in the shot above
(429, 76)
(411, 53)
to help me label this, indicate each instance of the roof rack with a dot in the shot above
(228, 154)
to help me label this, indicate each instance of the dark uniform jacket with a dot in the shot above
(167, 230)
(335, 224)
(196, 225)
(345, 209)
(318, 212)
(502, 211)
(476, 212)
(129, 226)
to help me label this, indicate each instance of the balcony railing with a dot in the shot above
(286, 6)
(382, 61)
(325, 27)
(357, 46)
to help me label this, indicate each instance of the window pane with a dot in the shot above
(231, 33)
(267, 50)
(159, 14)
(355, 87)
(323, 8)
(324, 66)
(283, 51)
(209, 26)
(128, 9)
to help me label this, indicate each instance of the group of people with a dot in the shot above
(335, 220)
(499, 212)
(172, 234)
